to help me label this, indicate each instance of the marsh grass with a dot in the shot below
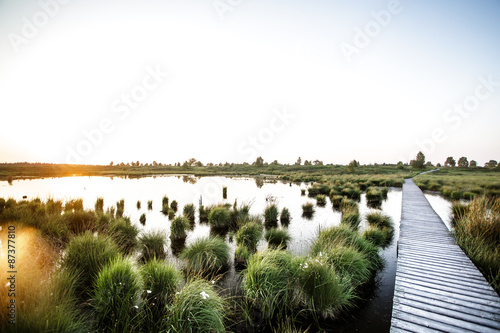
(323, 291)
(152, 245)
(348, 204)
(206, 257)
(271, 214)
(350, 217)
(308, 210)
(142, 219)
(321, 200)
(224, 192)
(188, 212)
(219, 217)
(277, 238)
(124, 234)
(138, 204)
(73, 205)
(116, 290)
(178, 228)
(336, 201)
(174, 205)
(86, 255)
(159, 285)
(381, 229)
(458, 210)
(197, 308)
(171, 214)
(150, 204)
(285, 217)
(241, 256)
(164, 201)
(374, 196)
(80, 221)
(477, 232)
(249, 236)
(99, 205)
(269, 283)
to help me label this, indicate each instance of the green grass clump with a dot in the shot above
(241, 256)
(219, 217)
(277, 238)
(86, 255)
(269, 283)
(271, 214)
(336, 201)
(73, 205)
(206, 257)
(458, 210)
(124, 235)
(348, 204)
(374, 196)
(138, 205)
(351, 218)
(188, 212)
(379, 219)
(79, 221)
(197, 308)
(378, 236)
(174, 205)
(302, 191)
(204, 212)
(308, 210)
(171, 214)
(323, 290)
(344, 235)
(120, 205)
(116, 291)
(224, 192)
(152, 245)
(164, 201)
(150, 204)
(99, 205)
(160, 283)
(321, 200)
(142, 219)
(285, 217)
(249, 236)
(178, 228)
(478, 233)
(381, 229)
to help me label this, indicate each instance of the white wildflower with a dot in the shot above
(149, 291)
(204, 295)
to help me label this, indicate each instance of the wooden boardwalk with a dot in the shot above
(437, 288)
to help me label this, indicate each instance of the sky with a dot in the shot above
(96, 81)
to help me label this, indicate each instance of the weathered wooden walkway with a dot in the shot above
(437, 288)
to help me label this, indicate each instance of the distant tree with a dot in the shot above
(450, 161)
(419, 161)
(351, 167)
(473, 164)
(259, 161)
(463, 162)
(299, 161)
(491, 164)
(275, 162)
(438, 165)
(186, 165)
(318, 162)
(111, 163)
(155, 163)
(199, 164)
(428, 163)
(192, 161)
(400, 165)
(306, 162)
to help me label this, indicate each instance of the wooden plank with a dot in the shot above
(437, 287)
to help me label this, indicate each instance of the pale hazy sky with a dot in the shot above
(96, 81)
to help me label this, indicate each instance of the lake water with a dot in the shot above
(374, 315)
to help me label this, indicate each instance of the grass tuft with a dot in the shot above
(206, 257)
(152, 245)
